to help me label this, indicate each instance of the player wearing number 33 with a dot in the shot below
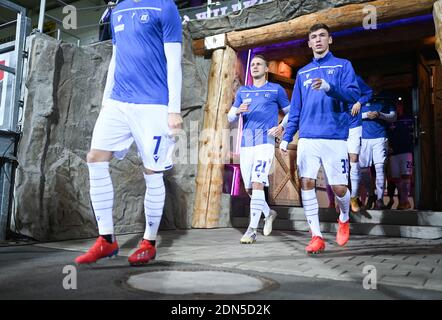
(141, 104)
(319, 109)
(258, 104)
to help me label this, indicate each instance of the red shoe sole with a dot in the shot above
(140, 263)
(315, 252)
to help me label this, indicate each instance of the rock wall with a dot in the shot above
(64, 85)
(261, 15)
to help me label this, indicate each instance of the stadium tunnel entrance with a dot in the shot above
(398, 58)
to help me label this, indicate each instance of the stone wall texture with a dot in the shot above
(64, 85)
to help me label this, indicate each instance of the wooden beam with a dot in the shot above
(367, 40)
(213, 143)
(341, 18)
(437, 15)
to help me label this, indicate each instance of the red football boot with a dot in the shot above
(101, 249)
(343, 233)
(316, 245)
(144, 254)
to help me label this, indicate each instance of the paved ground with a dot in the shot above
(402, 268)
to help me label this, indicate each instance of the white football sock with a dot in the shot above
(256, 207)
(344, 206)
(102, 196)
(310, 204)
(153, 204)
(380, 180)
(354, 178)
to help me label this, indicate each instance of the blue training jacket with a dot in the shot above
(366, 94)
(319, 114)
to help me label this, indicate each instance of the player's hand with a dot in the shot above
(283, 146)
(276, 131)
(320, 84)
(175, 122)
(372, 115)
(356, 108)
(242, 108)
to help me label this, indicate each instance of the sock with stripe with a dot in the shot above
(354, 178)
(310, 204)
(380, 180)
(256, 207)
(265, 208)
(102, 197)
(344, 206)
(153, 204)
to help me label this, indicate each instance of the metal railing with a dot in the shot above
(10, 134)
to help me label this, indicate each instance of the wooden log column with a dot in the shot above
(437, 15)
(213, 143)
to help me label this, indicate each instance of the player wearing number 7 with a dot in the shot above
(319, 109)
(258, 104)
(141, 103)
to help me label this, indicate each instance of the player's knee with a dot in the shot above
(339, 190)
(379, 167)
(257, 186)
(149, 172)
(98, 156)
(353, 157)
(307, 184)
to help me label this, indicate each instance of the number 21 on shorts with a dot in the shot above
(263, 164)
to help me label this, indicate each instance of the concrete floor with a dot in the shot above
(405, 268)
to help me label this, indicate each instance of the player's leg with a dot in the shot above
(110, 133)
(393, 179)
(260, 178)
(354, 148)
(308, 161)
(246, 165)
(365, 161)
(335, 161)
(355, 177)
(406, 170)
(379, 157)
(155, 145)
(262, 156)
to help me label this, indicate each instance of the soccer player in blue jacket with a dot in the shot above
(141, 104)
(319, 109)
(377, 114)
(355, 140)
(400, 140)
(259, 105)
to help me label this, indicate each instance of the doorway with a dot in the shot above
(403, 54)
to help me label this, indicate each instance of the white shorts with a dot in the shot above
(373, 151)
(255, 163)
(354, 140)
(119, 124)
(401, 164)
(331, 154)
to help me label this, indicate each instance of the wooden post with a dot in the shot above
(209, 180)
(437, 15)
